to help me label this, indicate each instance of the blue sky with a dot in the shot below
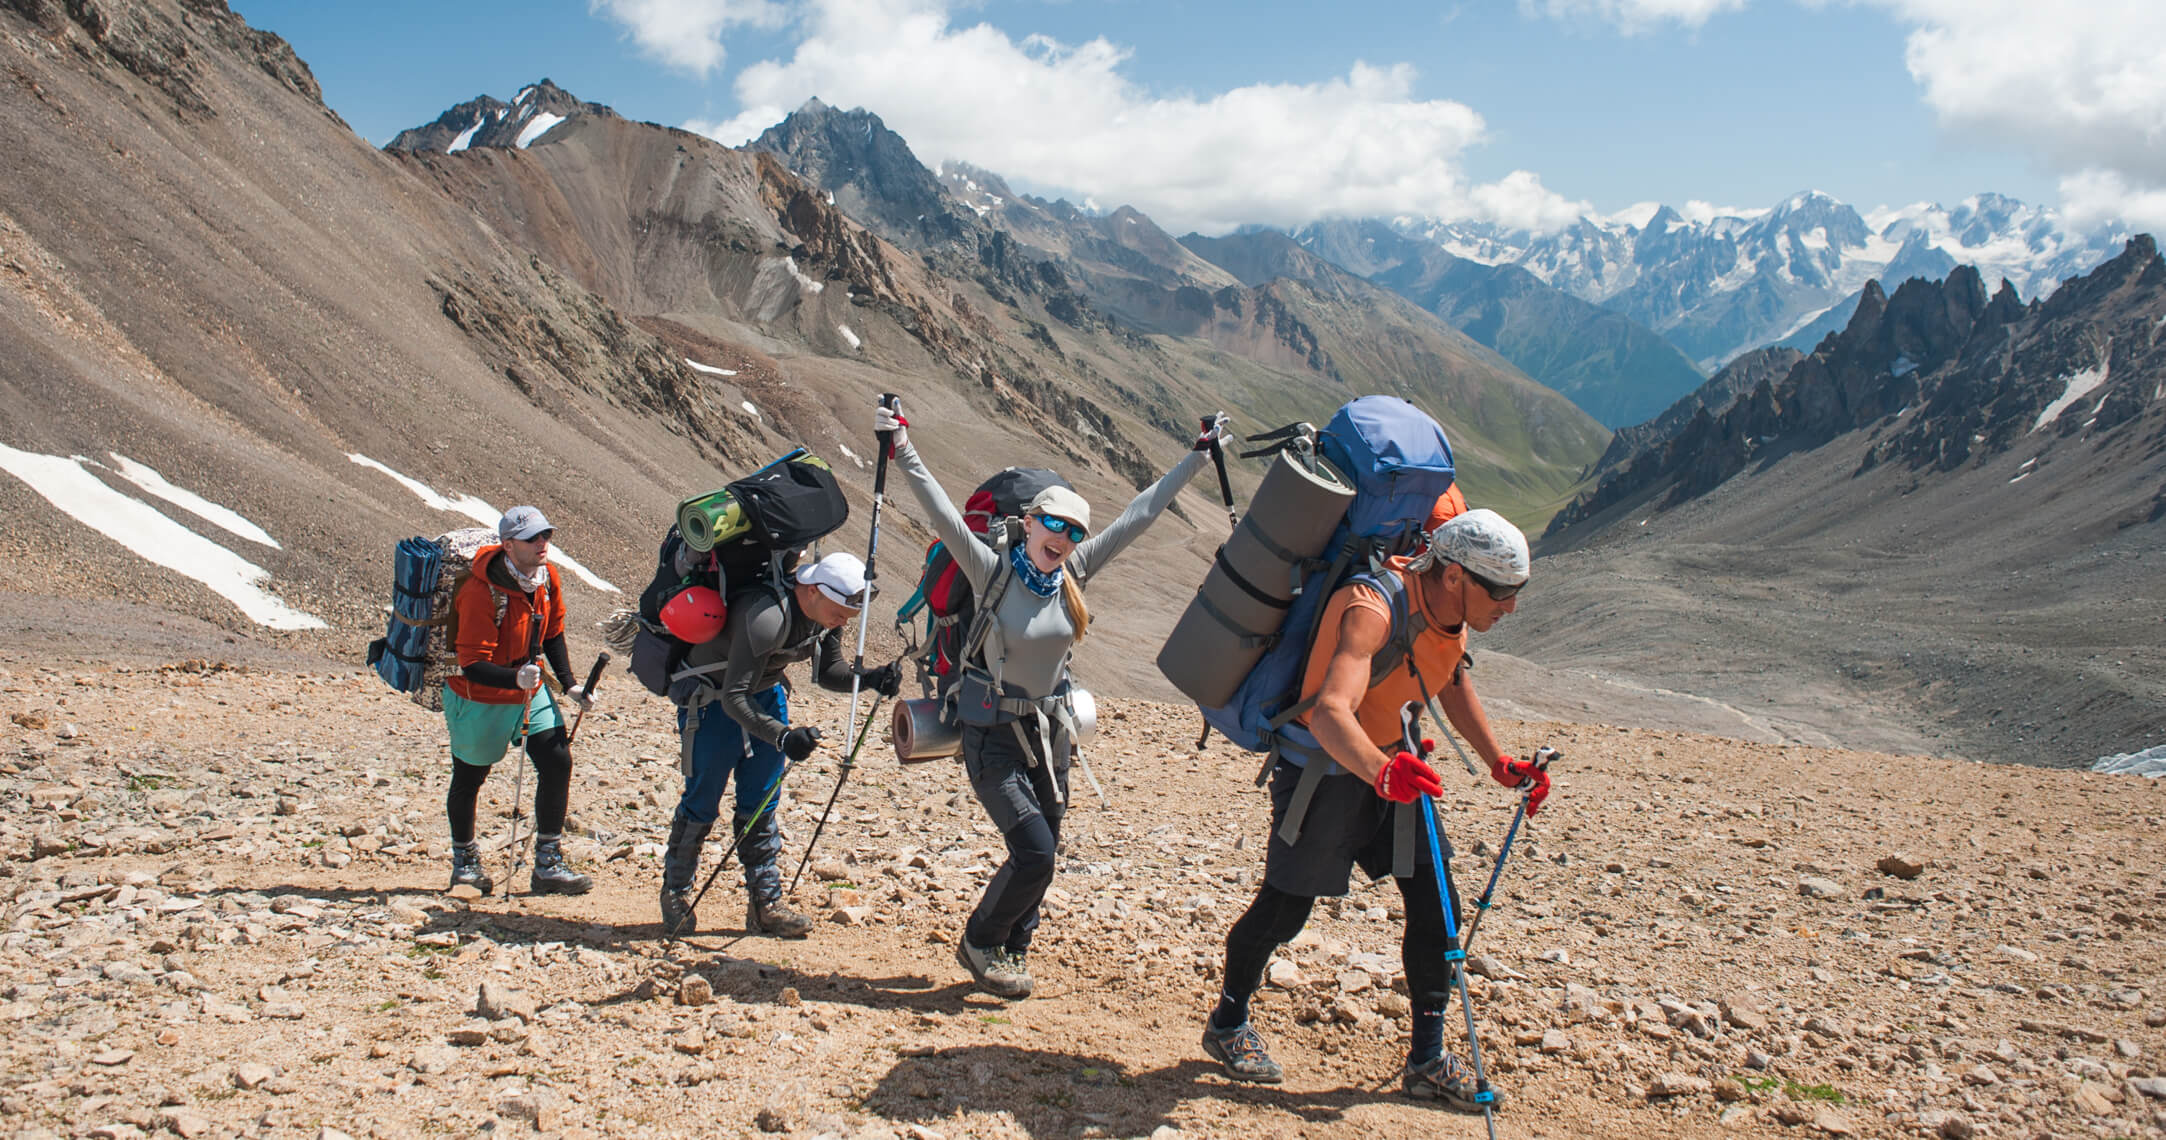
(1208, 113)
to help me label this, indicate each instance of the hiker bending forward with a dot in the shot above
(1354, 803)
(741, 725)
(510, 611)
(1013, 699)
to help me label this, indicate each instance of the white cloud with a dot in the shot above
(2095, 197)
(1064, 116)
(1633, 15)
(685, 34)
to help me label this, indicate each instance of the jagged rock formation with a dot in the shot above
(486, 121)
(1747, 372)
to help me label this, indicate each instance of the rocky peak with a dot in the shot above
(871, 170)
(486, 121)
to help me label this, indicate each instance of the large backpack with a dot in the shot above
(943, 595)
(785, 507)
(419, 648)
(1399, 465)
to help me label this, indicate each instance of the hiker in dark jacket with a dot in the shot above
(1467, 579)
(741, 724)
(1018, 721)
(510, 612)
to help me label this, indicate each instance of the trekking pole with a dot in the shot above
(1455, 957)
(848, 762)
(1218, 457)
(518, 786)
(594, 677)
(1542, 758)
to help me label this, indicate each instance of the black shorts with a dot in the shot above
(1347, 824)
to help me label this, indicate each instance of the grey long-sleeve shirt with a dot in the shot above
(1028, 643)
(764, 636)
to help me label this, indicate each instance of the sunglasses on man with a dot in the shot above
(1073, 532)
(1497, 591)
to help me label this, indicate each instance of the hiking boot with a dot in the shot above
(680, 863)
(466, 868)
(1448, 1082)
(996, 971)
(552, 876)
(1241, 1050)
(774, 917)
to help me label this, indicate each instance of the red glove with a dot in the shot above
(1522, 773)
(1406, 779)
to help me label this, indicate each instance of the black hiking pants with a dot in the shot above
(1026, 802)
(552, 757)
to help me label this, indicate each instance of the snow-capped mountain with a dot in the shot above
(1719, 283)
(485, 121)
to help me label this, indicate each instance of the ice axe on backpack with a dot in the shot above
(1456, 956)
(1218, 459)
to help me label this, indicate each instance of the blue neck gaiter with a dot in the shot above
(1041, 583)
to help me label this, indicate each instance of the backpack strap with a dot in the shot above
(982, 625)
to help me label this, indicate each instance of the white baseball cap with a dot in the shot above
(1062, 503)
(841, 576)
(522, 523)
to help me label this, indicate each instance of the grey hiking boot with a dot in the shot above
(552, 876)
(1448, 1082)
(466, 868)
(996, 971)
(680, 863)
(1241, 1050)
(774, 917)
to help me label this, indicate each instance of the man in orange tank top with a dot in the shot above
(1367, 663)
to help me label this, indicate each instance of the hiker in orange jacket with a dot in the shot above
(510, 612)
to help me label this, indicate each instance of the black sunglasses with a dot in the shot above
(1497, 591)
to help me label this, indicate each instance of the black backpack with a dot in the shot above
(788, 505)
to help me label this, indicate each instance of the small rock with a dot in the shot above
(252, 1074)
(2091, 1100)
(1560, 956)
(1822, 1027)
(2015, 953)
(2153, 1087)
(692, 1042)
(430, 1060)
(112, 1057)
(2156, 1019)
(2128, 1050)
(1981, 1076)
(496, 1001)
(1354, 981)
(1831, 1122)
(1554, 1041)
(329, 1133)
(1814, 887)
(1285, 975)
(182, 1122)
(852, 915)
(472, 1033)
(1679, 1084)
(773, 1119)
(46, 844)
(1901, 865)
(1740, 1012)
(536, 1105)
(695, 989)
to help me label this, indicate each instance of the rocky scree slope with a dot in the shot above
(224, 916)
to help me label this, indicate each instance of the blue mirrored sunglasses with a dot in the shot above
(1073, 532)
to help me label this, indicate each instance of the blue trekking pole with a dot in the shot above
(1542, 758)
(1455, 955)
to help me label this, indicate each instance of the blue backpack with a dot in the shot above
(1399, 464)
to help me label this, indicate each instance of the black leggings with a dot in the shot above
(552, 757)
(1275, 917)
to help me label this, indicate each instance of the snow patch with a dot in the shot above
(849, 454)
(709, 369)
(849, 336)
(135, 524)
(2150, 762)
(521, 96)
(536, 129)
(2078, 386)
(481, 512)
(466, 137)
(1902, 365)
(142, 475)
(2021, 477)
(749, 409)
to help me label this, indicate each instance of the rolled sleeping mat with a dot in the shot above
(706, 521)
(1236, 614)
(921, 733)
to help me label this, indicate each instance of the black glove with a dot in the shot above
(798, 743)
(885, 680)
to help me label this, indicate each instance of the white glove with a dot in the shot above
(1214, 432)
(579, 696)
(891, 420)
(529, 676)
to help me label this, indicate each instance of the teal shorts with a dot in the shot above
(480, 733)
